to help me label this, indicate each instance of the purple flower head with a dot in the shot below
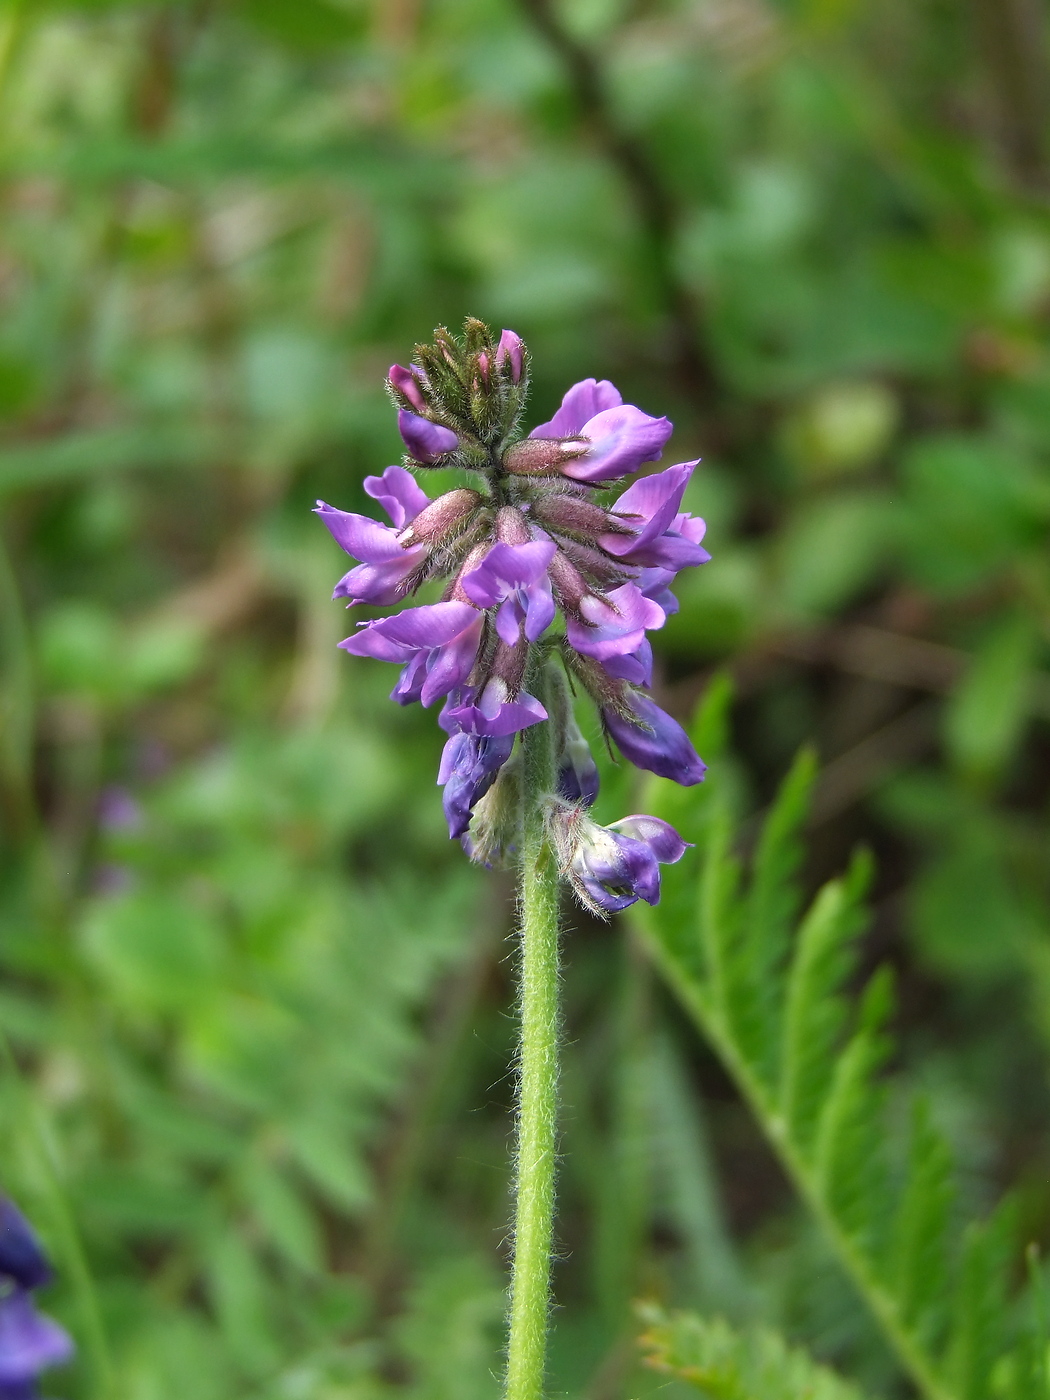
(407, 384)
(612, 867)
(514, 576)
(659, 536)
(532, 537)
(492, 713)
(511, 351)
(437, 644)
(21, 1258)
(386, 565)
(655, 741)
(469, 764)
(29, 1342)
(400, 495)
(426, 441)
(615, 625)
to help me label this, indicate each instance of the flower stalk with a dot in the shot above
(537, 1107)
(550, 588)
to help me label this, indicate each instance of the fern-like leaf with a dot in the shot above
(770, 992)
(724, 1364)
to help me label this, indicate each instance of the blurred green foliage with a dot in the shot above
(257, 1004)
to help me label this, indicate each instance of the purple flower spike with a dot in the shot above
(583, 402)
(426, 441)
(439, 642)
(406, 382)
(612, 867)
(511, 349)
(469, 764)
(386, 564)
(29, 1342)
(515, 577)
(21, 1258)
(656, 742)
(615, 627)
(618, 441)
(400, 495)
(493, 713)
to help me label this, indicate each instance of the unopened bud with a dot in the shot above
(512, 527)
(406, 382)
(569, 584)
(425, 440)
(440, 516)
(511, 351)
(571, 515)
(483, 366)
(541, 456)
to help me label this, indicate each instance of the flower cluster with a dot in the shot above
(540, 569)
(29, 1342)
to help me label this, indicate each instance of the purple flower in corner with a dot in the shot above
(29, 1341)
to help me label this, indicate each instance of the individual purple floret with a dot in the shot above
(655, 741)
(29, 1341)
(469, 764)
(612, 867)
(543, 577)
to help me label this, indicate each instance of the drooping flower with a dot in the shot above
(612, 867)
(533, 542)
(651, 739)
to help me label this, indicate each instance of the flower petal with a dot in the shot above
(582, 402)
(400, 495)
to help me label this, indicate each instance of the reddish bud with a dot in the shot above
(406, 382)
(541, 456)
(440, 516)
(512, 527)
(511, 350)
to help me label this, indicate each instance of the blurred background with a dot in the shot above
(257, 1008)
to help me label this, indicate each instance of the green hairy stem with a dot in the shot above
(537, 1079)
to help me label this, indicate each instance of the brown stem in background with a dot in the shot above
(653, 201)
(1012, 37)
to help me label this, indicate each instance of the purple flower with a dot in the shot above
(659, 535)
(400, 495)
(612, 867)
(636, 668)
(29, 1343)
(493, 713)
(406, 382)
(577, 771)
(515, 577)
(382, 576)
(583, 402)
(437, 643)
(511, 349)
(426, 441)
(21, 1258)
(615, 625)
(655, 742)
(469, 764)
(618, 442)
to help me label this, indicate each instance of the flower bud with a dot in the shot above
(651, 739)
(483, 366)
(406, 382)
(571, 515)
(541, 456)
(511, 350)
(512, 527)
(426, 441)
(441, 516)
